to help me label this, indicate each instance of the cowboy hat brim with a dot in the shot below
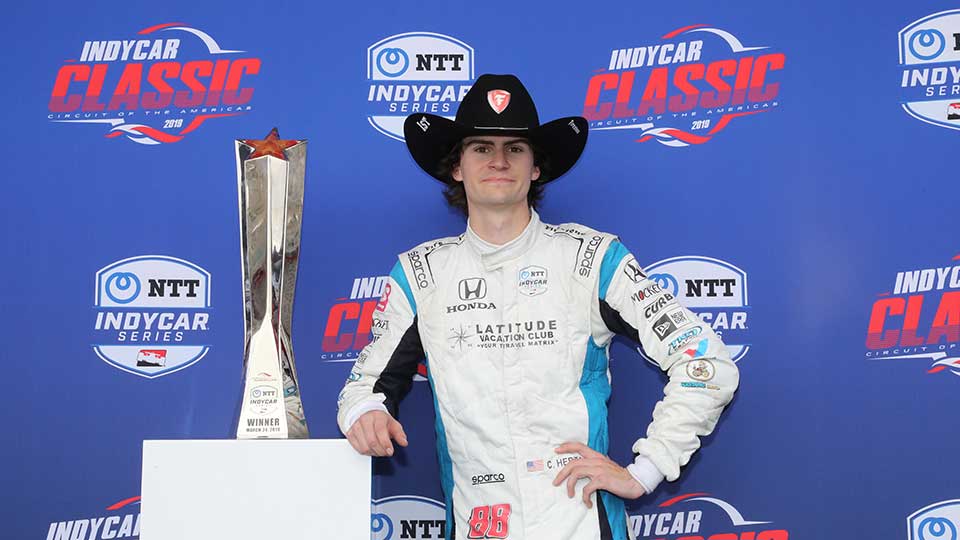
(430, 138)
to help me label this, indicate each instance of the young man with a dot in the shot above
(515, 318)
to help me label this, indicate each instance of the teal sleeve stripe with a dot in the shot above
(446, 463)
(596, 391)
(401, 279)
(616, 514)
(615, 253)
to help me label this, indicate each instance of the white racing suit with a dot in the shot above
(516, 341)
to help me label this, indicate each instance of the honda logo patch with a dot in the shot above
(473, 288)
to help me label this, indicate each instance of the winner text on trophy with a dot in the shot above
(270, 179)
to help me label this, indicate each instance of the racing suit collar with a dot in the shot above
(493, 256)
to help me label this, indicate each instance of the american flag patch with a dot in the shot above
(535, 465)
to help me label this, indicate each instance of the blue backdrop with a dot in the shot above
(804, 150)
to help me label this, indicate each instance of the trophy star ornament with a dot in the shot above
(272, 145)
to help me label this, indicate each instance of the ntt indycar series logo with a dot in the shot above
(154, 86)
(407, 516)
(416, 72)
(713, 289)
(152, 315)
(919, 319)
(930, 69)
(685, 88)
(120, 520)
(700, 516)
(939, 521)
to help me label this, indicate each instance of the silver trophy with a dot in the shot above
(270, 181)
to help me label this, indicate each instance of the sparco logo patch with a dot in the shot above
(419, 273)
(918, 320)
(155, 86)
(587, 255)
(930, 69)
(685, 88)
(939, 521)
(152, 314)
(407, 516)
(698, 516)
(416, 72)
(492, 478)
(714, 290)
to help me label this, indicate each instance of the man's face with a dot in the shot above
(496, 171)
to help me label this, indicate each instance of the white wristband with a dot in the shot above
(646, 473)
(359, 410)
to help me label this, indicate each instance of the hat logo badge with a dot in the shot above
(423, 123)
(498, 100)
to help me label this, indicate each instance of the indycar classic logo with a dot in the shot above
(713, 289)
(939, 521)
(699, 516)
(416, 72)
(349, 320)
(930, 69)
(121, 520)
(919, 319)
(407, 516)
(152, 315)
(684, 89)
(154, 87)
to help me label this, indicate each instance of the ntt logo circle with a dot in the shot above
(122, 287)
(666, 282)
(388, 61)
(931, 44)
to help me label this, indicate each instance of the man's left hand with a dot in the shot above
(602, 472)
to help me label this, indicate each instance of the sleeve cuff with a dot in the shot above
(646, 473)
(359, 410)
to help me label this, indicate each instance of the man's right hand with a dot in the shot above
(371, 433)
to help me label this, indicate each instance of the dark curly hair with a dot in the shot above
(456, 194)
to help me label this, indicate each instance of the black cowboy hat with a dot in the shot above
(495, 105)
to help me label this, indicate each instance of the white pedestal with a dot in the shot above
(254, 490)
